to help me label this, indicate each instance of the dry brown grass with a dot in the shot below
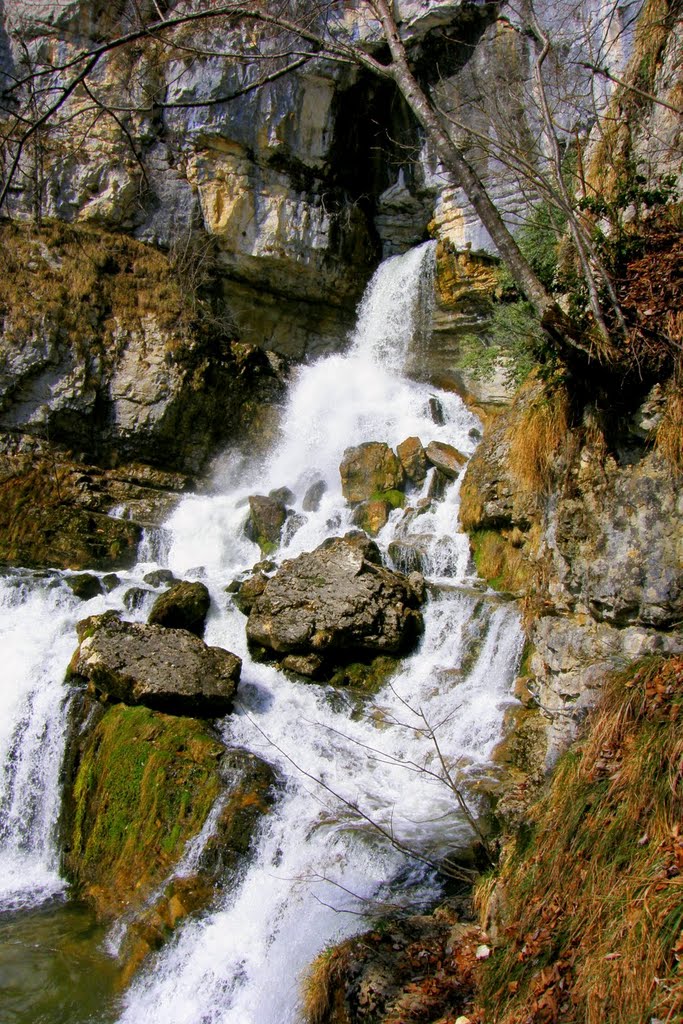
(538, 439)
(669, 437)
(321, 984)
(592, 898)
(76, 282)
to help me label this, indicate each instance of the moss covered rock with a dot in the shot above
(371, 516)
(39, 529)
(139, 787)
(143, 786)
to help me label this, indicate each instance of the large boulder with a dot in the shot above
(166, 669)
(337, 602)
(370, 469)
(184, 606)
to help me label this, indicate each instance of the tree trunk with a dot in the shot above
(455, 161)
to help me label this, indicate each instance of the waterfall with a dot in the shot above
(363, 810)
(362, 788)
(36, 631)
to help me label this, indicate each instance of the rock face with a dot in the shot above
(597, 557)
(370, 469)
(105, 350)
(337, 602)
(115, 387)
(621, 540)
(184, 606)
(285, 184)
(254, 180)
(166, 669)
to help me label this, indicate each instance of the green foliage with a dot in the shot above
(539, 239)
(395, 498)
(513, 339)
(619, 237)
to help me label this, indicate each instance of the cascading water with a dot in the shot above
(362, 793)
(364, 810)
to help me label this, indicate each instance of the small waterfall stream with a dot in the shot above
(364, 808)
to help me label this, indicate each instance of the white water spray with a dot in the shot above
(365, 806)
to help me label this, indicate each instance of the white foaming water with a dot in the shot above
(38, 614)
(365, 810)
(37, 641)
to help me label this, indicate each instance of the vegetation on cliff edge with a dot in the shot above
(588, 902)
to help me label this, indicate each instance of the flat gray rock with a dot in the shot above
(166, 669)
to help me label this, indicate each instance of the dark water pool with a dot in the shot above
(53, 968)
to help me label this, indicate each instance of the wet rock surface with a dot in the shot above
(138, 787)
(166, 669)
(84, 585)
(335, 602)
(184, 606)
(267, 515)
(369, 469)
(248, 792)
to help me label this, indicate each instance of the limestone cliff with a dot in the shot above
(118, 382)
(589, 534)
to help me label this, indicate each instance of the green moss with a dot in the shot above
(144, 786)
(525, 662)
(268, 547)
(368, 677)
(395, 498)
